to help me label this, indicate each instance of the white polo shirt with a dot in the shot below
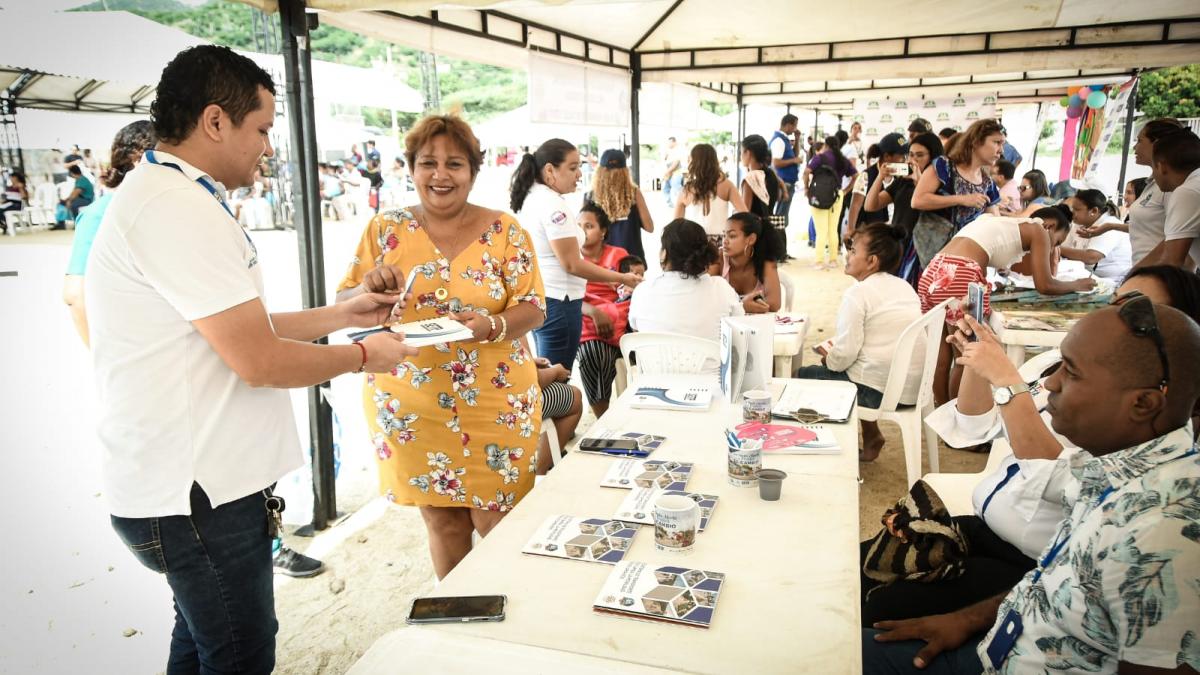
(1147, 220)
(546, 217)
(171, 411)
(1183, 214)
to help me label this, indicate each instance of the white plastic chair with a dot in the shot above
(956, 489)
(788, 302)
(912, 419)
(667, 353)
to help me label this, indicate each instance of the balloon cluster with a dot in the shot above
(1078, 98)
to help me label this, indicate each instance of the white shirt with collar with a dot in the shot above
(1147, 218)
(546, 217)
(670, 302)
(873, 314)
(1114, 245)
(1183, 214)
(171, 411)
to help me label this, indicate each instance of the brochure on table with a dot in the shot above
(646, 442)
(661, 593)
(747, 353)
(834, 404)
(629, 474)
(600, 540)
(638, 506)
(659, 393)
(798, 439)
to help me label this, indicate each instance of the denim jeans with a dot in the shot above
(784, 206)
(867, 397)
(672, 187)
(558, 338)
(218, 565)
(891, 658)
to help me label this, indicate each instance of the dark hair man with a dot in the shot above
(190, 369)
(1115, 591)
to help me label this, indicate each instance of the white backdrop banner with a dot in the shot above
(563, 92)
(882, 116)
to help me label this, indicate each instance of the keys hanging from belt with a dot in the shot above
(275, 506)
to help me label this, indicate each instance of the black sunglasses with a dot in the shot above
(1138, 314)
(1126, 297)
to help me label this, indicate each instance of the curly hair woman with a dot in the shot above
(614, 192)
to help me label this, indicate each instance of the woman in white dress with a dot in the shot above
(708, 194)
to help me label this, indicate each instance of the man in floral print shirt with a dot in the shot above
(1118, 588)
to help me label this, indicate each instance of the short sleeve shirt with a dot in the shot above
(172, 413)
(86, 191)
(954, 184)
(1123, 586)
(825, 158)
(1183, 214)
(546, 216)
(86, 226)
(1147, 220)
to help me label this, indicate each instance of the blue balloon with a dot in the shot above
(1097, 99)
(1074, 101)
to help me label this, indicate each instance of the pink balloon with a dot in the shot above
(1083, 93)
(1074, 112)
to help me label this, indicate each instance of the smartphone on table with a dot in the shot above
(975, 291)
(611, 445)
(458, 609)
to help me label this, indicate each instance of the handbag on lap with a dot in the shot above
(919, 541)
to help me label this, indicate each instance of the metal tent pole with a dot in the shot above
(1130, 107)
(298, 67)
(635, 116)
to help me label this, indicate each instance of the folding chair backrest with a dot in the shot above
(668, 353)
(920, 340)
(788, 303)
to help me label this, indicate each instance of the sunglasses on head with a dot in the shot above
(1126, 297)
(1138, 314)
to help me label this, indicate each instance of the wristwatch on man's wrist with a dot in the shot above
(1002, 395)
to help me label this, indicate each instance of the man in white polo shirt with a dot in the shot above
(1177, 173)
(194, 423)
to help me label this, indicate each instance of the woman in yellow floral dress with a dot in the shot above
(456, 427)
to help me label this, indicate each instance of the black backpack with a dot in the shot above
(823, 187)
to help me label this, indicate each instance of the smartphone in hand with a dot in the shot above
(975, 291)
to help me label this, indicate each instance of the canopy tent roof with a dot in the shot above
(124, 59)
(807, 54)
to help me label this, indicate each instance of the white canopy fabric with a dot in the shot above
(805, 52)
(122, 57)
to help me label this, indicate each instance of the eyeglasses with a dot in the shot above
(1138, 314)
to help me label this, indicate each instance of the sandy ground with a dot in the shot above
(71, 593)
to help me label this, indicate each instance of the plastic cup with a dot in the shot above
(770, 484)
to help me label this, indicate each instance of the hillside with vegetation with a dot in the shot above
(476, 90)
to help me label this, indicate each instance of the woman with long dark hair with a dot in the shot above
(760, 186)
(707, 193)
(538, 186)
(827, 220)
(750, 256)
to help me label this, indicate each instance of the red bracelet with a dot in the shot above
(363, 347)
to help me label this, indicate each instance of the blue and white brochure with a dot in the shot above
(424, 333)
(693, 398)
(601, 540)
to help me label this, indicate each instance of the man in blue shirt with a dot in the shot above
(1009, 152)
(82, 195)
(786, 159)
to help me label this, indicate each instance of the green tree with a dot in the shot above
(1170, 92)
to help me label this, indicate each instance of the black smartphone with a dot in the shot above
(609, 445)
(462, 609)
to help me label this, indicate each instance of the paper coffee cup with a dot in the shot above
(676, 522)
(756, 406)
(744, 465)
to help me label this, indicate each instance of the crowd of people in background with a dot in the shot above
(545, 288)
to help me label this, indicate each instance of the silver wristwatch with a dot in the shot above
(1003, 395)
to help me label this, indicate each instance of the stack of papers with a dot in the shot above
(835, 405)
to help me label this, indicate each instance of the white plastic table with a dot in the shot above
(787, 346)
(1015, 340)
(792, 598)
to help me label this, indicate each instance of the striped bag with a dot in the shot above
(919, 541)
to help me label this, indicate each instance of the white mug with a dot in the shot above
(676, 522)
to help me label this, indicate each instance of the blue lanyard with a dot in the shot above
(1012, 471)
(1063, 538)
(150, 157)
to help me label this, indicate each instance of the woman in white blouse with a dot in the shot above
(874, 312)
(538, 186)
(684, 299)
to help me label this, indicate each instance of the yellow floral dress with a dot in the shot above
(458, 424)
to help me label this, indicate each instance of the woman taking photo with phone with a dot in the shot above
(897, 190)
(538, 186)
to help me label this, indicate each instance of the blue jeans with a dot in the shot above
(672, 187)
(558, 338)
(867, 397)
(218, 565)
(889, 658)
(783, 206)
